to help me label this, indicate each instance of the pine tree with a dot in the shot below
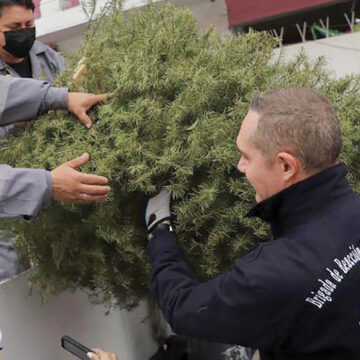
(178, 101)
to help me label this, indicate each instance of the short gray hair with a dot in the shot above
(301, 121)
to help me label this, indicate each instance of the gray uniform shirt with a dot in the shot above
(23, 97)
(46, 63)
(24, 191)
(22, 194)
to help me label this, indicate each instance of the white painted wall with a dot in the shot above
(341, 52)
(54, 19)
(66, 27)
(32, 331)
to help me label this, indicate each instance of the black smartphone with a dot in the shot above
(75, 348)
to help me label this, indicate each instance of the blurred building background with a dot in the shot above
(322, 27)
(63, 22)
(325, 28)
(294, 20)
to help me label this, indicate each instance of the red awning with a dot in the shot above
(249, 11)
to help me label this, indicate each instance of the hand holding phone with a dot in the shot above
(77, 349)
(103, 355)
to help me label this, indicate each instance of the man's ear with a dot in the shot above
(290, 167)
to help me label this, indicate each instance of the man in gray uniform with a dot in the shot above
(24, 191)
(38, 97)
(20, 54)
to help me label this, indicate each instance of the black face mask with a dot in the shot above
(19, 42)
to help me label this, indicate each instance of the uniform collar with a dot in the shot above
(38, 48)
(300, 201)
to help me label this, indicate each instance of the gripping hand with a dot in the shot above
(158, 209)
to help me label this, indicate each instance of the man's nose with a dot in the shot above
(242, 165)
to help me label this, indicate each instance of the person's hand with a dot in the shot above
(102, 355)
(70, 185)
(158, 209)
(80, 103)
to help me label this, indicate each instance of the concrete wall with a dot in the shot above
(208, 13)
(32, 330)
(341, 52)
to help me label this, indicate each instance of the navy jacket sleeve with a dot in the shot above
(236, 307)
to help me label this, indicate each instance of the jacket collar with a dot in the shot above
(299, 202)
(38, 48)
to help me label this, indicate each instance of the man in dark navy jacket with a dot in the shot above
(298, 296)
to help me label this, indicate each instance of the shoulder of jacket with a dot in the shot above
(267, 247)
(40, 48)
